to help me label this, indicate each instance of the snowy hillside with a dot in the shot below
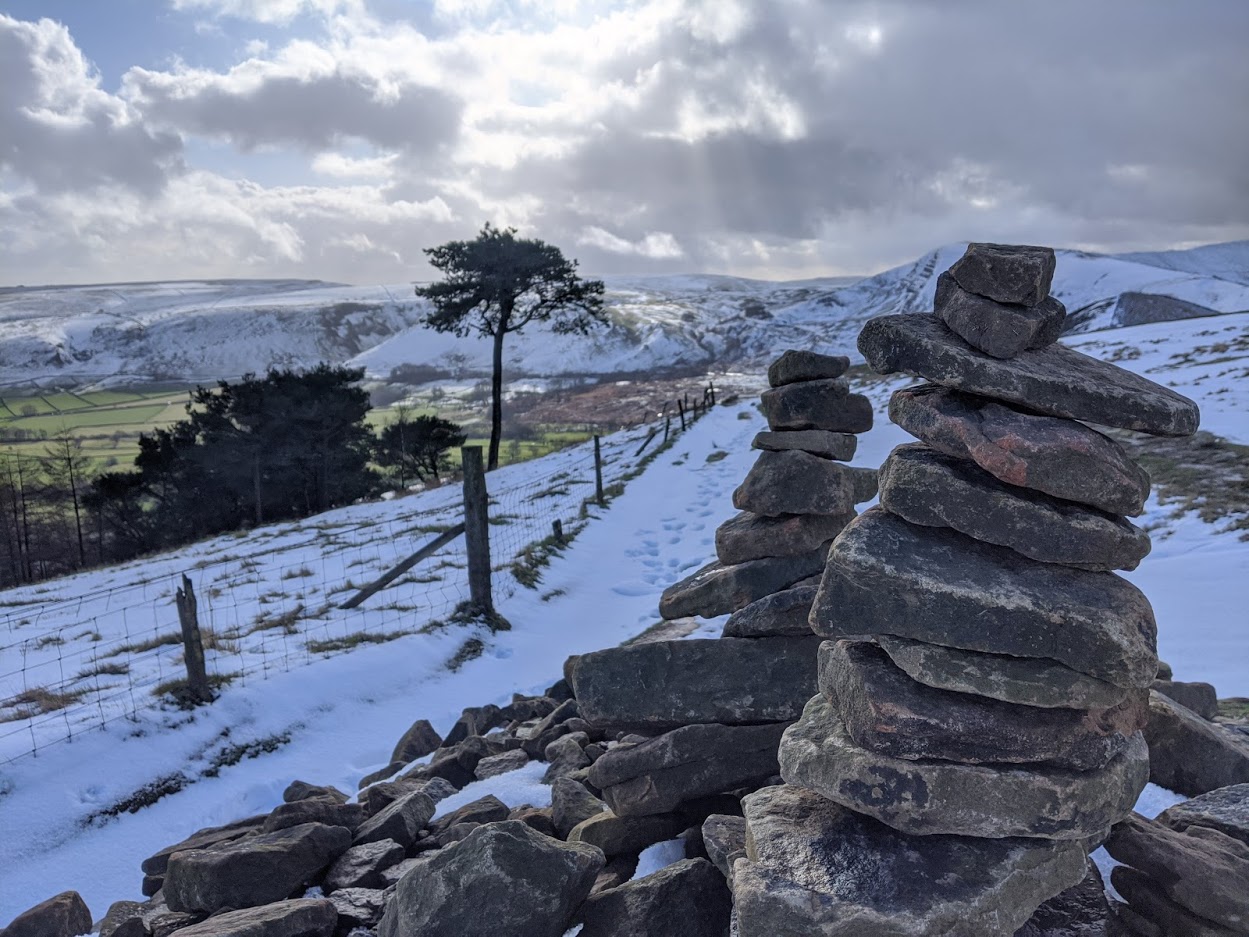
(202, 331)
(332, 716)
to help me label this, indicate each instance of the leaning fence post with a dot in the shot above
(198, 689)
(598, 473)
(477, 529)
(681, 412)
(667, 427)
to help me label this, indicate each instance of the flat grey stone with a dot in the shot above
(819, 442)
(1029, 681)
(797, 365)
(1054, 380)
(1189, 755)
(417, 742)
(361, 866)
(358, 908)
(717, 589)
(314, 810)
(1080, 911)
(783, 613)
(685, 899)
(1225, 809)
(887, 712)
(1002, 330)
(1056, 456)
(809, 405)
(658, 775)
(795, 482)
(63, 915)
(616, 835)
(725, 840)
(401, 820)
(1008, 273)
(931, 489)
(1201, 698)
(302, 917)
(494, 765)
(1202, 870)
(1148, 901)
(928, 797)
(667, 684)
(502, 880)
(886, 576)
(815, 868)
(746, 536)
(252, 871)
(571, 803)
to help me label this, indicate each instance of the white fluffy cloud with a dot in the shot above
(780, 138)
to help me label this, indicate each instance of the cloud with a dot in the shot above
(657, 245)
(60, 130)
(786, 138)
(307, 99)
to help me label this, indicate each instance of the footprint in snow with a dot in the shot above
(633, 588)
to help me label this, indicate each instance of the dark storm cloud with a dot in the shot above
(1105, 115)
(315, 112)
(58, 130)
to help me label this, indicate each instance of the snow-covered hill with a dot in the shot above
(201, 331)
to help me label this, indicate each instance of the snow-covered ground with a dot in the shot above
(337, 716)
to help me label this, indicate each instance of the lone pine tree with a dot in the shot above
(497, 284)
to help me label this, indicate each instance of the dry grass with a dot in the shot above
(37, 701)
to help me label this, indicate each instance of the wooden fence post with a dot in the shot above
(198, 690)
(557, 531)
(667, 427)
(477, 529)
(598, 472)
(681, 412)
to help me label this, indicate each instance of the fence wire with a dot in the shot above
(89, 651)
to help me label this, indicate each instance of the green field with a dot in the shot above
(108, 424)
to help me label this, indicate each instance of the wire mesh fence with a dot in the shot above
(88, 651)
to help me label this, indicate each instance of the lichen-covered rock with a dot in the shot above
(1054, 380)
(930, 797)
(931, 489)
(502, 880)
(982, 598)
(1151, 904)
(571, 803)
(401, 820)
(1080, 911)
(361, 866)
(815, 868)
(724, 838)
(1225, 809)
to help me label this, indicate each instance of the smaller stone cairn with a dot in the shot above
(977, 729)
(796, 498)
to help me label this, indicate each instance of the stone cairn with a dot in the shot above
(796, 498)
(976, 732)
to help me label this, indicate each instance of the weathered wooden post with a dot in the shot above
(598, 472)
(198, 690)
(681, 412)
(667, 427)
(477, 529)
(557, 531)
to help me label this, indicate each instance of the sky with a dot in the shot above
(336, 139)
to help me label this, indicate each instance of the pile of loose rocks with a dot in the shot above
(977, 729)
(796, 498)
(1186, 873)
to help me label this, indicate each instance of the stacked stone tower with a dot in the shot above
(796, 498)
(977, 727)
